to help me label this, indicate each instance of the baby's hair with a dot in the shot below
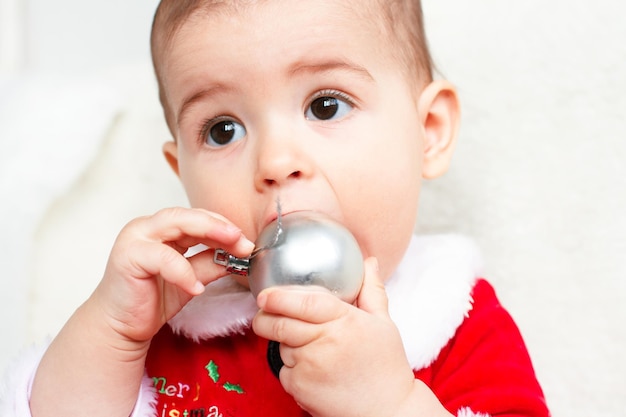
(405, 21)
(402, 23)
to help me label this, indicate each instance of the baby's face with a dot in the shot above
(297, 100)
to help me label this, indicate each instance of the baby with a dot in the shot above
(331, 106)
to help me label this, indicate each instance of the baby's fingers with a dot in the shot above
(292, 332)
(373, 296)
(188, 227)
(174, 268)
(310, 304)
(205, 268)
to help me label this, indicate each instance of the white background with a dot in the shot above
(538, 180)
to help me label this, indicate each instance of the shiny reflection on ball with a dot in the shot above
(307, 248)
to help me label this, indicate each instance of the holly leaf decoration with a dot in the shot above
(213, 372)
(233, 388)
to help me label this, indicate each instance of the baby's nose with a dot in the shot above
(281, 160)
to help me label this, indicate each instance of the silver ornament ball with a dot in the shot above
(307, 248)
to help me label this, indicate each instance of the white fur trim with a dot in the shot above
(466, 412)
(18, 381)
(224, 308)
(147, 399)
(430, 293)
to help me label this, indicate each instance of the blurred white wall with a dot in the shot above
(539, 178)
(73, 36)
(58, 61)
(11, 36)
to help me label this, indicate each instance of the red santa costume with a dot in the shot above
(458, 339)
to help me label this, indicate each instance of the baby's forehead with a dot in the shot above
(321, 30)
(179, 20)
(173, 14)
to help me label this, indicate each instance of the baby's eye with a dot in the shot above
(328, 107)
(221, 132)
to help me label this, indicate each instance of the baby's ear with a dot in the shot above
(439, 113)
(170, 151)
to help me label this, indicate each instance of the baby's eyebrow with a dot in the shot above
(329, 66)
(200, 96)
(301, 67)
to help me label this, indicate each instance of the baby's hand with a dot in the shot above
(340, 359)
(148, 280)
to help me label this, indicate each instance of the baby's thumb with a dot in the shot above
(373, 297)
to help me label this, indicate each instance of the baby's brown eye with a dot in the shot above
(324, 108)
(224, 132)
(327, 108)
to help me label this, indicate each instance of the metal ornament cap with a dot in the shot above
(307, 248)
